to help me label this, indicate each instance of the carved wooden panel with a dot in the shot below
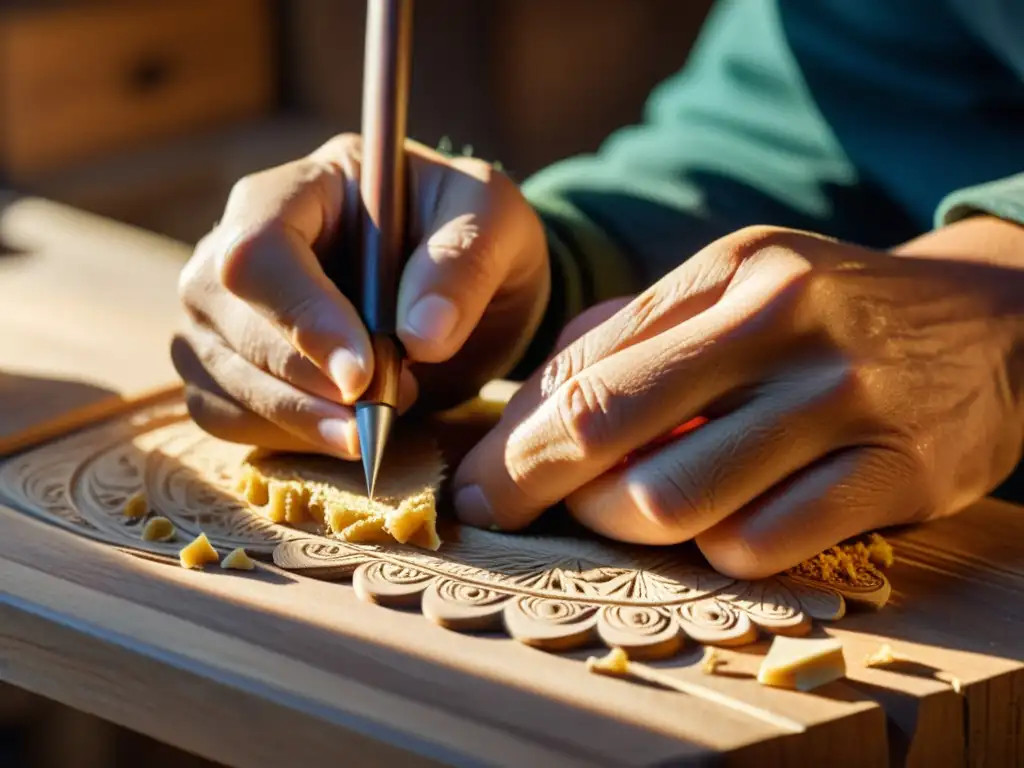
(554, 592)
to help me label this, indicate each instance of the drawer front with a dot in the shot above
(82, 81)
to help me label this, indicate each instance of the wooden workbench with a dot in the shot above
(270, 670)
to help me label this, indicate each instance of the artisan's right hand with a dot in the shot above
(275, 355)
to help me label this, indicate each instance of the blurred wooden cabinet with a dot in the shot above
(83, 78)
(146, 111)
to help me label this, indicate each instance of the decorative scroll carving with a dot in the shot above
(552, 592)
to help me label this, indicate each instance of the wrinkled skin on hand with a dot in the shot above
(275, 355)
(846, 390)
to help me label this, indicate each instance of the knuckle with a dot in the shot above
(750, 247)
(757, 235)
(734, 554)
(295, 413)
(243, 189)
(190, 288)
(648, 307)
(674, 499)
(852, 385)
(292, 366)
(584, 410)
(468, 245)
(304, 320)
(562, 367)
(193, 280)
(861, 394)
(238, 260)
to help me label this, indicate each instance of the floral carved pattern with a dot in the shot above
(552, 592)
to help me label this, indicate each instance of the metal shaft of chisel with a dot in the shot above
(386, 74)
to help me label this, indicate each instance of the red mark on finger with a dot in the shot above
(668, 437)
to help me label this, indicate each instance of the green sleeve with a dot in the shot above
(851, 119)
(734, 139)
(1003, 198)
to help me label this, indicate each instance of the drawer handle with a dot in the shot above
(150, 75)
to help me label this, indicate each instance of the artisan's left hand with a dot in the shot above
(845, 390)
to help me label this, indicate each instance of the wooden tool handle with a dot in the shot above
(387, 371)
(383, 174)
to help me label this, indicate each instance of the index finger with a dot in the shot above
(549, 445)
(273, 224)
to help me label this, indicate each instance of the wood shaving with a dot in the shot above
(712, 660)
(329, 495)
(237, 560)
(158, 529)
(199, 553)
(854, 564)
(884, 656)
(137, 506)
(615, 663)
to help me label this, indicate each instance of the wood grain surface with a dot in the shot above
(87, 310)
(193, 658)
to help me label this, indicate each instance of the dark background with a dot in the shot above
(525, 82)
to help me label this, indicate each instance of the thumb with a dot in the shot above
(472, 250)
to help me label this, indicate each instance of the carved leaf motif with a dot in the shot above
(321, 558)
(770, 605)
(817, 601)
(391, 584)
(551, 624)
(684, 574)
(715, 622)
(873, 590)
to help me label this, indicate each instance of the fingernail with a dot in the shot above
(342, 434)
(432, 318)
(473, 508)
(347, 371)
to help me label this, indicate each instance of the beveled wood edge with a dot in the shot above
(109, 643)
(86, 416)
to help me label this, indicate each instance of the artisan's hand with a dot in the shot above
(275, 354)
(846, 390)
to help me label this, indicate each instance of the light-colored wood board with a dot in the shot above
(928, 721)
(958, 609)
(544, 700)
(87, 311)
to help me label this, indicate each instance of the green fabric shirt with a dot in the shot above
(867, 120)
